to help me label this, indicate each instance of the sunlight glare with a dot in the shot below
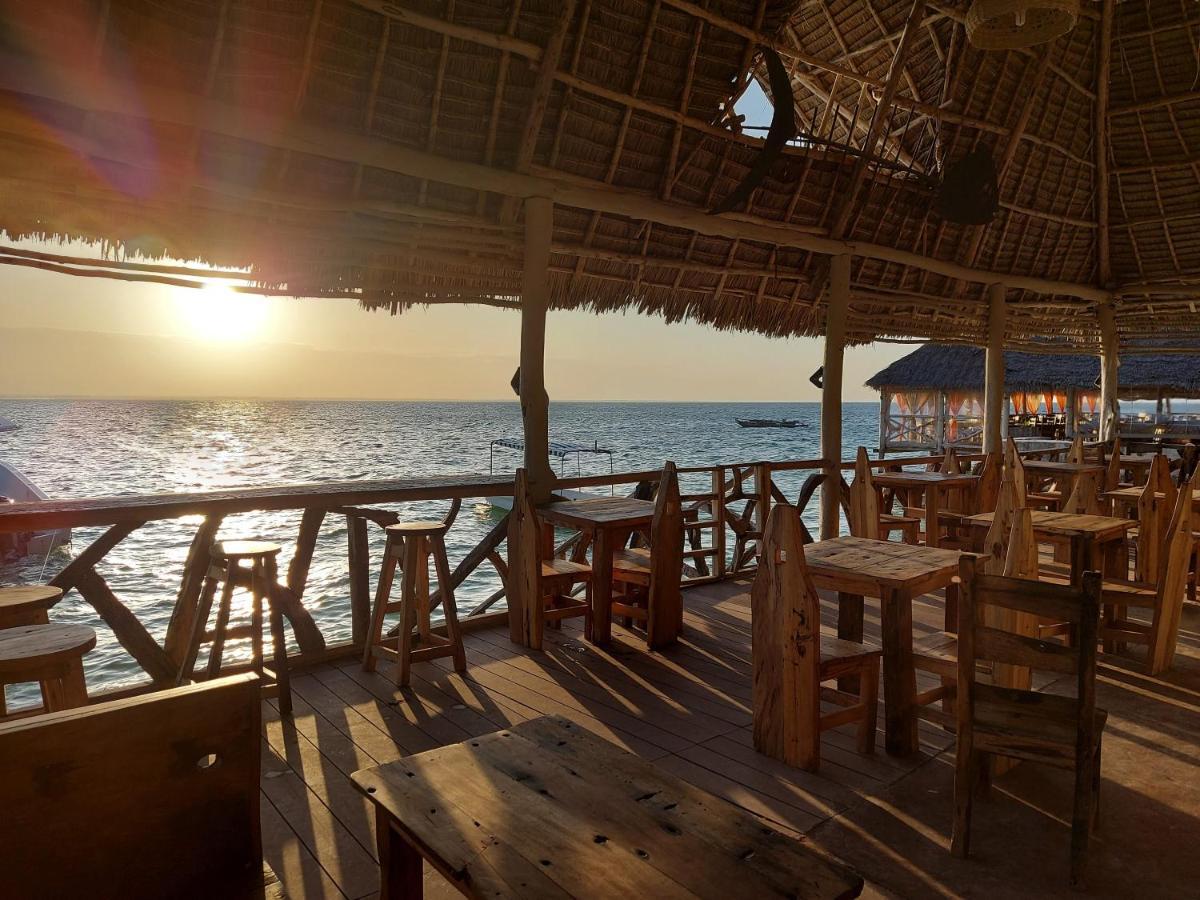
(218, 313)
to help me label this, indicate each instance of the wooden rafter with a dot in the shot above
(1103, 77)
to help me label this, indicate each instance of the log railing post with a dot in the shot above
(837, 302)
(535, 300)
(1110, 410)
(993, 376)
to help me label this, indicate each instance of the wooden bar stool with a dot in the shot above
(409, 545)
(226, 570)
(27, 604)
(51, 655)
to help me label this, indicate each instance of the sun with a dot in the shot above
(216, 312)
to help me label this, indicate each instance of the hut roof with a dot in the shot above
(378, 151)
(941, 367)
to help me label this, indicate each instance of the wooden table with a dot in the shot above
(1067, 472)
(895, 573)
(609, 521)
(933, 484)
(547, 809)
(1138, 464)
(1096, 541)
(1126, 499)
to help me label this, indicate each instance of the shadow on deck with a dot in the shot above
(689, 711)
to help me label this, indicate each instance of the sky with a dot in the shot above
(69, 336)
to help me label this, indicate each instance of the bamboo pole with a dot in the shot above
(1109, 408)
(993, 388)
(831, 394)
(1103, 76)
(535, 299)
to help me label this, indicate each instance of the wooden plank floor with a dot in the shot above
(687, 709)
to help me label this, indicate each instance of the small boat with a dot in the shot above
(769, 423)
(560, 450)
(15, 487)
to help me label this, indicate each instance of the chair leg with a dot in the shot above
(218, 644)
(408, 611)
(1081, 818)
(449, 606)
(965, 765)
(203, 608)
(1096, 788)
(868, 696)
(587, 616)
(279, 661)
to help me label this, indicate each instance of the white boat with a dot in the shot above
(15, 487)
(560, 450)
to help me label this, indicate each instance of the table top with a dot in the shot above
(1050, 465)
(602, 512)
(548, 809)
(886, 563)
(921, 479)
(1067, 524)
(1132, 494)
(1137, 459)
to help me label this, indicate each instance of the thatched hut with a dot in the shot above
(576, 154)
(933, 397)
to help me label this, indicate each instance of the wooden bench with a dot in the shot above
(148, 797)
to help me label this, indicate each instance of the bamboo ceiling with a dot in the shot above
(308, 140)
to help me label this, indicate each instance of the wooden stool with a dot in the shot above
(261, 578)
(51, 655)
(27, 604)
(410, 544)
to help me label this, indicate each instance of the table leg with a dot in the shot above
(850, 628)
(602, 554)
(899, 676)
(932, 502)
(400, 866)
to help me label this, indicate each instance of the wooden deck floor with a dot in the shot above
(688, 710)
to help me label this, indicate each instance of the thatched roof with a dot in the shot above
(939, 367)
(378, 151)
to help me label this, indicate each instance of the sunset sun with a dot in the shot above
(219, 313)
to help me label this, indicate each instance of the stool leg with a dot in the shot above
(218, 644)
(187, 668)
(383, 595)
(67, 689)
(408, 610)
(258, 590)
(422, 586)
(449, 606)
(283, 678)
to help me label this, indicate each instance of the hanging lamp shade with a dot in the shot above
(1015, 24)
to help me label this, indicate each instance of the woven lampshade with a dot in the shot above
(1014, 24)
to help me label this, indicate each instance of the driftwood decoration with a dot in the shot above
(783, 129)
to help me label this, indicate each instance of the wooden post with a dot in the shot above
(993, 381)
(885, 409)
(1109, 409)
(535, 299)
(939, 422)
(1072, 412)
(831, 395)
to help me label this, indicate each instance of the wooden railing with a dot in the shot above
(725, 506)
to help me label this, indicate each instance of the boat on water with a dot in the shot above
(15, 487)
(770, 423)
(563, 451)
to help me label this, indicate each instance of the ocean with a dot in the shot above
(96, 448)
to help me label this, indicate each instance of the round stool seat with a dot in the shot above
(244, 549)
(27, 598)
(417, 529)
(27, 648)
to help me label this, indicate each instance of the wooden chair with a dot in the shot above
(863, 513)
(792, 659)
(650, 576)
(982, 499)
(1056, 730)
(1015, 467)
(148, 797)
(52, 656)
(539, 584)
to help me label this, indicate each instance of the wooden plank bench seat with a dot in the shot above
(147, 797)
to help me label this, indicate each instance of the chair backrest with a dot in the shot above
(1160, 477)
(1021, 556)
(1152, 523)
(523, 578)
(1016, 468)
(1112, 475)
(785, 622)
(666, 558)
(985, 708)
(1179, 544)
(987, 489)
(1075, 452)
(151, 796)
(864, 501)
(1084, 498)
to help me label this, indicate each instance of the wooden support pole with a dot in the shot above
(1103, 76)
(1072, 412)
(837, 303)
(535, 299)
(1109, 409)
(993, 385)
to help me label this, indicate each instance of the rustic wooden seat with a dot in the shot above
(260, 578)
(650, 578)
(409, 546)
(981, 500)
(138, 799)
(27, 604)
(788, 674)
(1002, 721)
(864, 516)
(51, 655)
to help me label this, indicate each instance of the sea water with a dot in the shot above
(105, 448)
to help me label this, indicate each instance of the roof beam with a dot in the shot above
(163, 105)
(1156, 103)
(1103, 76)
